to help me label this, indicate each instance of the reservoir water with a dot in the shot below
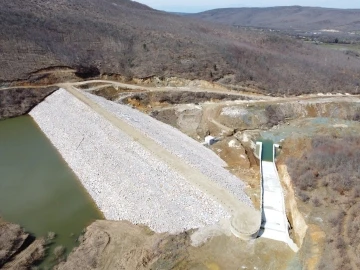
(37, 188)
(267, 150)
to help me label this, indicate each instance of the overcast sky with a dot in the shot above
(202, 5)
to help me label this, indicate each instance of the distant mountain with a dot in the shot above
(292, 17)
(130, 39)
(179, 13)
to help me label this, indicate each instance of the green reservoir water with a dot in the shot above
(37, 188)
(267, 150)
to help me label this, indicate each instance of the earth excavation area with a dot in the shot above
(139, 151)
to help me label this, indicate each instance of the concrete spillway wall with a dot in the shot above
(274, 221)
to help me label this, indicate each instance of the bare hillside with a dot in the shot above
(292, 17)
(133, 40)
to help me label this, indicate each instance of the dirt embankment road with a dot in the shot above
(255, 96)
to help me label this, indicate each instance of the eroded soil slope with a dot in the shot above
(18, 249)
(18, 101)
(121, 245)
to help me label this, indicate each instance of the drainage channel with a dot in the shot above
(274, 223)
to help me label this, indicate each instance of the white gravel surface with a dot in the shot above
(191, 151)
(233, 112)
(123, 178)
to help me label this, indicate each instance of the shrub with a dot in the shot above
(316, 202)
(332, 164)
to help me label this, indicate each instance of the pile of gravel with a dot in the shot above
(125, 180)
(234, 111)
(176, 142)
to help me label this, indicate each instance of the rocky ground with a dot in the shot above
(18, 249)
(121, 245)
(18, 101)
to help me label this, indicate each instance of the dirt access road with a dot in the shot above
(255, 96)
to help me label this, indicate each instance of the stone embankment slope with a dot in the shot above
(140, 170)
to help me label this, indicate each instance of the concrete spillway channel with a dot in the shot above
(274, 221)
(141, 170)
